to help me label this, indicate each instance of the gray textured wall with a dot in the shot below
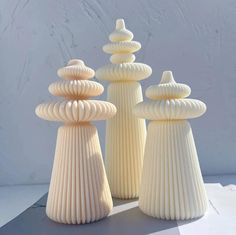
(195, 39)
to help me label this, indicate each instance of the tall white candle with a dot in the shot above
(125, 133)
(79, 192)
(171, 185)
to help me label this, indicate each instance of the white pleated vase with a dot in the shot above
(79, 190)
(125, 141)
(125, 133)
(172, 185)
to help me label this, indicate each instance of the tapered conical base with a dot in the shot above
(79, 190)
(172, 185)
(125, 140)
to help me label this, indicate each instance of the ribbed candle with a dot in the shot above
(125, 133)
(172, 186)
(79, 192)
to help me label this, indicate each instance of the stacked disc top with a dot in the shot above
(76, 89)
(168, 101)
(122, 48)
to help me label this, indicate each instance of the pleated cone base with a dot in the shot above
(172, 186)
(125, 141)
(79, 190)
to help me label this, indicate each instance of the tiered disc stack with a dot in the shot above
(79, 190)
(125, 133)
(172, 185)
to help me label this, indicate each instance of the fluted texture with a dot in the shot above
(122, 47)
(125, 133)
(168, 91)
(170, 109)
(76, 110)
(76, 88)
(125, 140)
(124, 72)
(79, 191)
(172, 185)
(75, 70)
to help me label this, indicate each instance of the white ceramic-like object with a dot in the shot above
(79, 192)
(172, 186)
(125, 133)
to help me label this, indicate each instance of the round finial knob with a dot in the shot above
(167, 77)
(75, 70)
(75, 84)
(123, 67)
(168, 101)
(121, 34)
(75, 62)
(120, 24)
(168, 88)
(76, 89)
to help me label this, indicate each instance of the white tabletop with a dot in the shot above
(219, 219)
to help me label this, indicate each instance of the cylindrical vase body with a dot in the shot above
(79, 190)
(172, 186)
(125, 140)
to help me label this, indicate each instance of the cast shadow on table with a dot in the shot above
(131, 222)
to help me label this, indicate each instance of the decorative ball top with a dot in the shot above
(167, 77)
(76, 89)
(75, 62)
(75, 84)
(168, 101)
(168, 88)
(122, 48)
(121, 33)
(120, 24)
(75, 70)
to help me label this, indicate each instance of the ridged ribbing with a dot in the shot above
(124, 72)
(170, 109)
(76, 110)
(168, 91)
(75, 70)
(79, 190)
(125, 139)
(172, 185)
(125, 133)
(76, 88)
(122, 47)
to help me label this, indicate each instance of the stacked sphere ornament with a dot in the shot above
(79, 192)
(172, 186)
(125, 133)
